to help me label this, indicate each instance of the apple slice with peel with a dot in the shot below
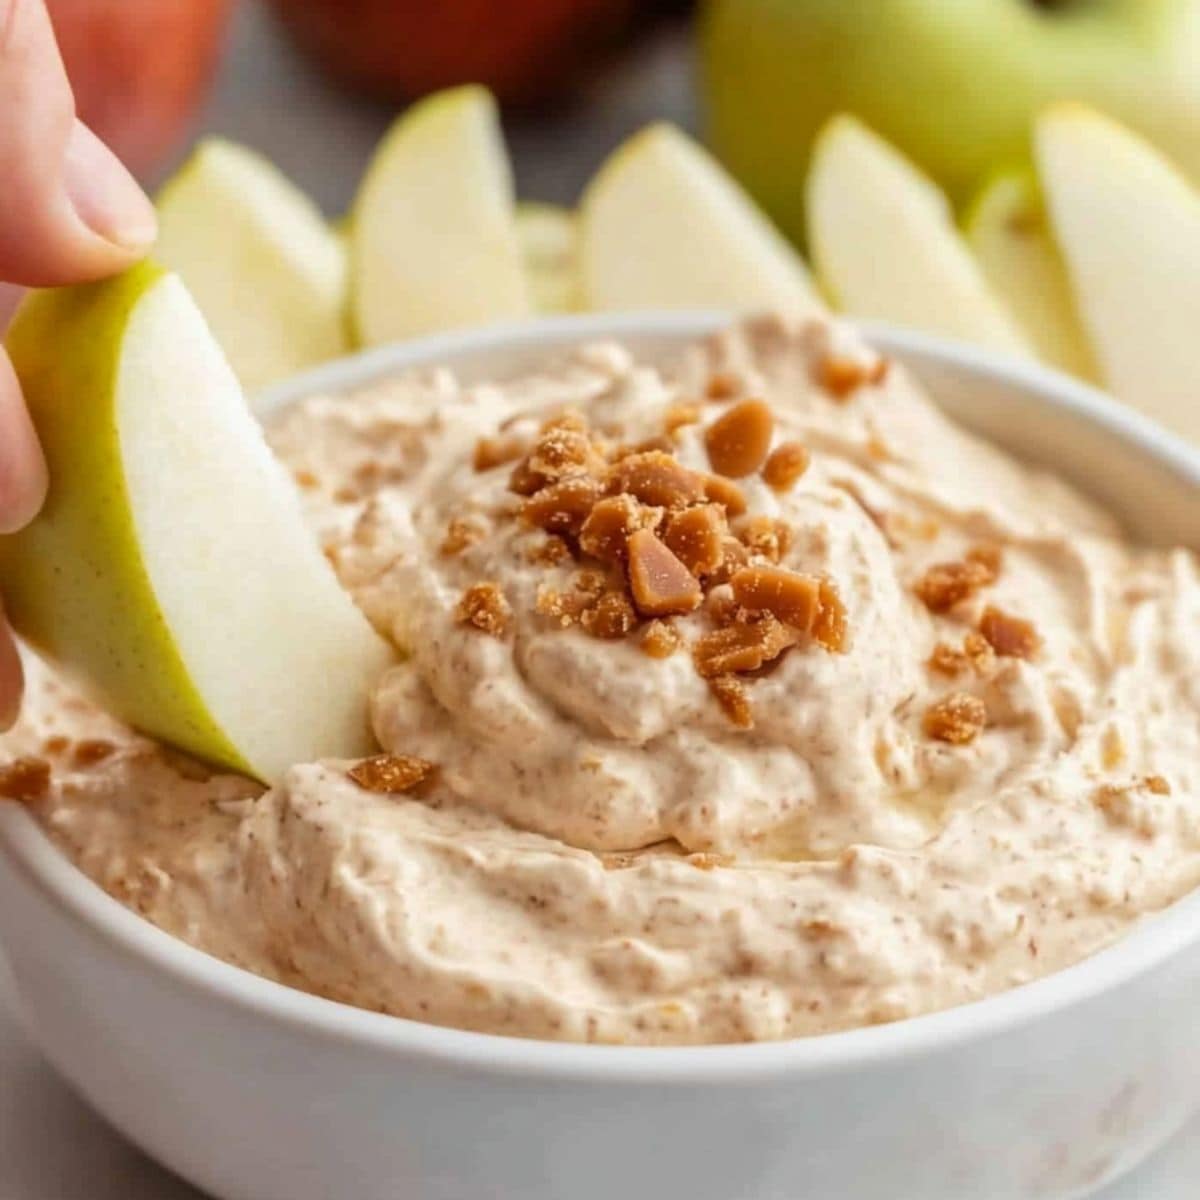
(885, 246)
(171, 569)
(1009, 232)
(663, 226)
(259, 259)
(433, 240)
(548, 235)
(1129, 226)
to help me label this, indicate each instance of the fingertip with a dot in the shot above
(105, 196)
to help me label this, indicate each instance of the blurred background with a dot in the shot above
(313, 84)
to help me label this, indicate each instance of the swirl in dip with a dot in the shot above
(744, 700)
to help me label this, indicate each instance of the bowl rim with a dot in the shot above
(28, 852)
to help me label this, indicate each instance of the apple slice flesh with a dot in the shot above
(549, 246)
(433, 239)
(663, 226)
(259, 259)
(1008, 231)
(1129, 226)
(885, 246)
(171, 569)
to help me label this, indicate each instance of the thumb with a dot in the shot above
(69, 211)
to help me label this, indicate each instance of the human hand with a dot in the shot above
(69, 213)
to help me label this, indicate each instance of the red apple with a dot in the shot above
(524, 50)
(139, 68)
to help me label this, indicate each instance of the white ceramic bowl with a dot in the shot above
(257, 1092)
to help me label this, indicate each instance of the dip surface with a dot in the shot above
(917, 726)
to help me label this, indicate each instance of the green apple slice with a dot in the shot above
(549, 245)
(1008, 230)
(1129, 226)
(885, 247)
(262, 264)
(663, 226)
(433, 240)
(171, 569)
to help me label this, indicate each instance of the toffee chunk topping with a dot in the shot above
(738, 441)
(957, 719)
(1009, 636)
(784, 466)
(483, 606)
(391, 773)
(24, 779)
(661, 584)
(653, 540)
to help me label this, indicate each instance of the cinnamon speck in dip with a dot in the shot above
(711, 722)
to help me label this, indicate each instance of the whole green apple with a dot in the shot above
(953, 83)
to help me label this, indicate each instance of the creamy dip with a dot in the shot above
(990, 773)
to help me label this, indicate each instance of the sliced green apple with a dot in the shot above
(1129, 226)
(171, 569)
(663, 226)
(1008, 231)
(433, 241)
(885, 247)
(262, 264)
(549, 245)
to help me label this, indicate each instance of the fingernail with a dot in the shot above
(106, 197)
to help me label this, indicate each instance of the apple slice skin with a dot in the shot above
(77, 581)
(48, 569)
